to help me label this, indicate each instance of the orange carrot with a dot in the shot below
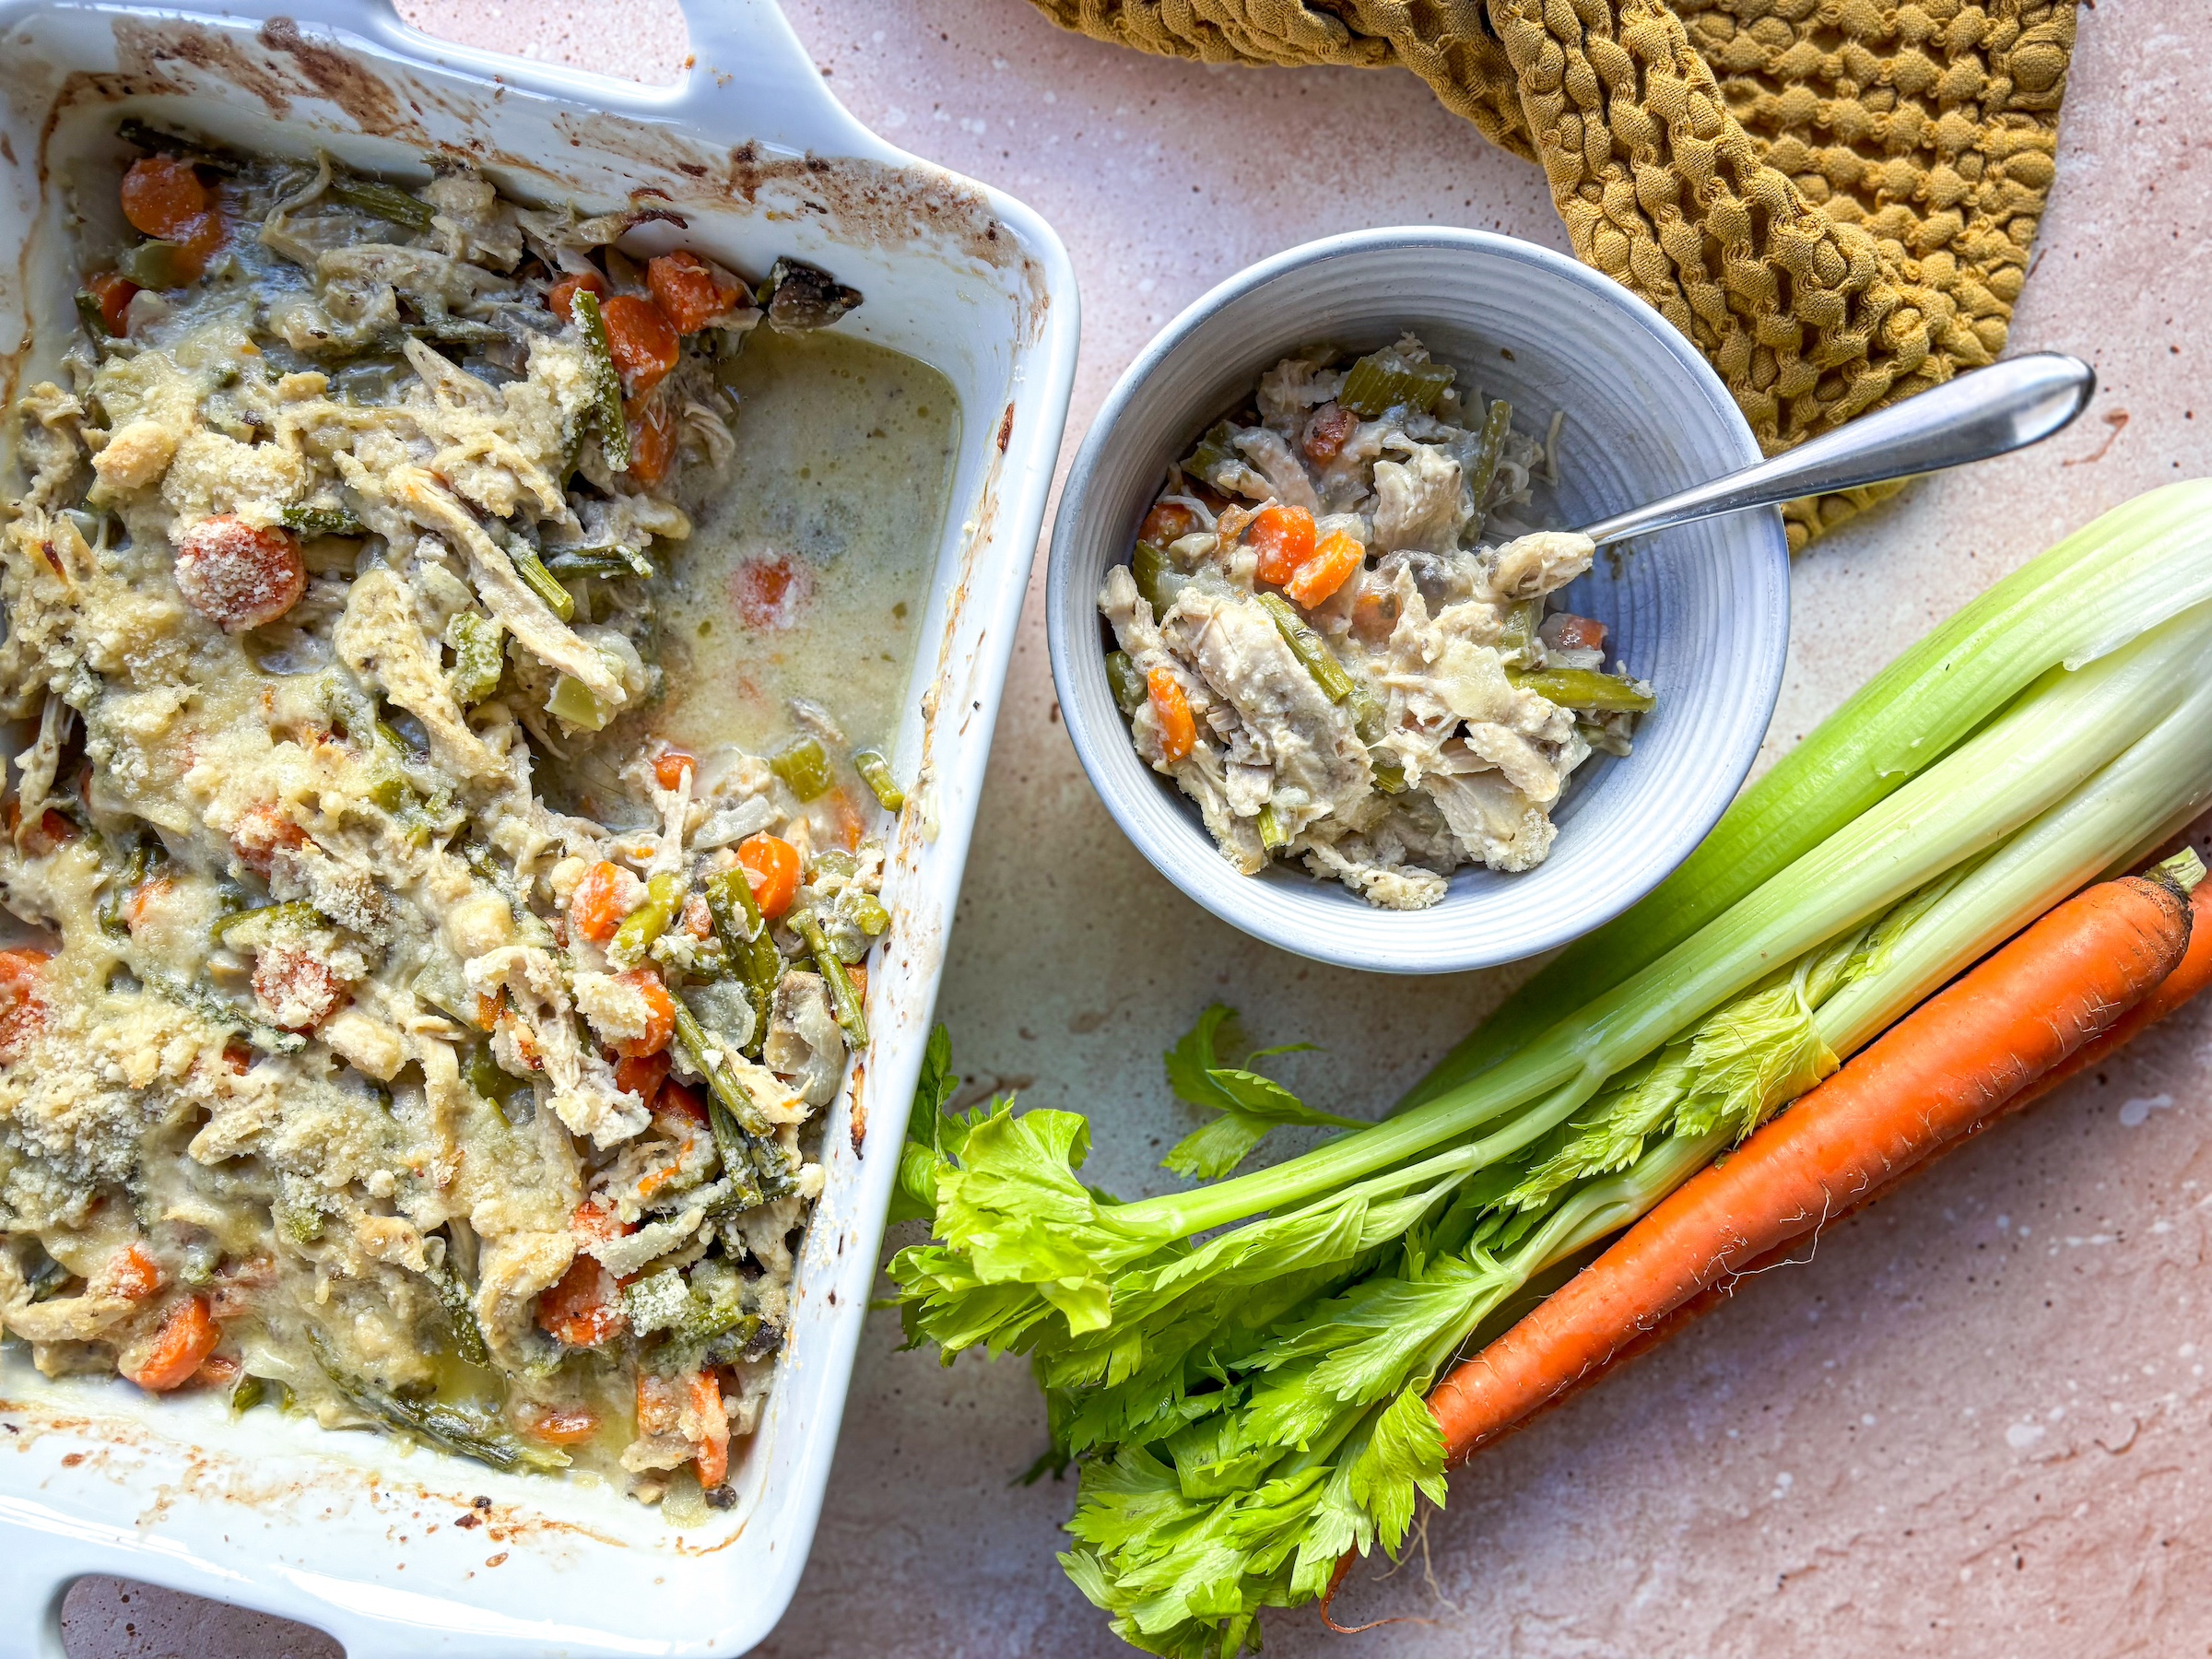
(186, 1336)
(642, 342)
(113, 292)
(23, 1011)
(1329, 568)
(660, 1013)
(690, 291)
(670, 765)
(772, 867)
(653, 438)
(163, 197)
(1932, 1077)
(1283, 537)
(602, 898)
(714, 1449)
(561, 299)
(1178, 731)
(585, 1307)
(564, 1426)
(133, 1274)
(1167, 521)
(642, 1077)
(237, 576)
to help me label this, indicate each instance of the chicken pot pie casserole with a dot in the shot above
(1318, 643)
(360, 1079)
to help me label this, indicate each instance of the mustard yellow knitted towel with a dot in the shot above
(1833, 198)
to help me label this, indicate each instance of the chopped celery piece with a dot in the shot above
(1390, 777)
(158, 264)
(1217, 449)
(1310, 649)
(664, 897)
(478, 660)
(1386, 380)
(608, 562)
(573, 702)
(1272, 834)
(805, 765)
(1129, 690)
(613, 425)
(875, 773)
(379, 200)
(1514, 641)
(1584, 688)
(1157, 578)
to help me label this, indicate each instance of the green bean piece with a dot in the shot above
(322, 520)
(296, 911)
(1129, 689)
(1370, 720)
(131, 130)
(446, 1427)
(722, 1081)
(664, 897)
(90, 313)
(213, 1007)
(745, 934)
(608, 562)
(805, 765)
(1272, 835)
(379, 200)
(843, 998)
(1585, 689)
(478, 658)
(1517, 638)
(461, 1314)
(135, 869)
(1157, 578)
(1489, 450)
(1384, 381)
(539, 581)
(158, 264)
(866, 911)
(613, 425)
(1310, 649)
(875, 773)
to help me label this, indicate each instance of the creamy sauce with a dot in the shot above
(809, 576)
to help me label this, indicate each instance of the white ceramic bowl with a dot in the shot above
(1702, 612)
(356, 1533)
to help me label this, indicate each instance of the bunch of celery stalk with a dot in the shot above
(1240, 1368)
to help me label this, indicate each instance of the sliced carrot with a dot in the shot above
(697, 919)
(261, 833)
(642, 1074)
(1328, 432)
(858, 974)
(113, 292)
(641, 341)
(24, 1011)
(585, 1309)
(133, 1274)
(1171, 709)
(652, 438)
(218, 1370)
(296, 991)
(714, 1451)
(186, 1336)
(660, 1013)
(660, 1404)
(688, 1104)
(670, 765)
(237, 576)
(1569, 633)
(851, 826)
(1932, 1077)
(1329, 568)
(1167, 521)
(560, 300)
(605, 895)
(144, 899)
(771, 867)
(563, 1425)
(691, 293)
(163, 197)
(1283, 537)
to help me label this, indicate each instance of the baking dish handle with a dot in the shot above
(748, 68)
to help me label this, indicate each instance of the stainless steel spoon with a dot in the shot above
(1990, 412)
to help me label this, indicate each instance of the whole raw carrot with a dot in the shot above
(1927, 1080)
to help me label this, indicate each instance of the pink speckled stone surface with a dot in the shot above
(1975, 1425)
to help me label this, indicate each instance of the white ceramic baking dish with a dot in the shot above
(384, 1546)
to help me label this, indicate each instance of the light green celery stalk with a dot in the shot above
(1311, 1440)
(2134, 566)
(1028, 1256)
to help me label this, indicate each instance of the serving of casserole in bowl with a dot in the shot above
(489, 550)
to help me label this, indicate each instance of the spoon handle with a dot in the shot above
(1990, 412)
